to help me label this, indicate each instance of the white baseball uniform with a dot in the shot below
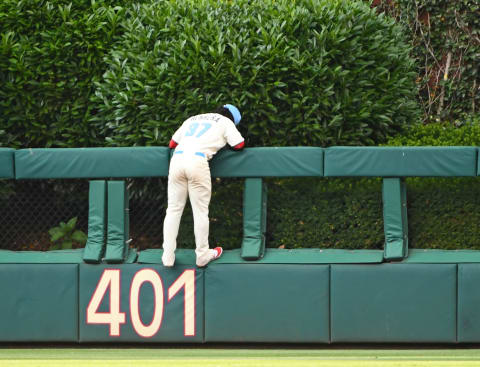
(199, 138)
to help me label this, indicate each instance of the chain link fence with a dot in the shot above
(442, 213)
(29, 209)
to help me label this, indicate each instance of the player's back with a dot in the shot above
(205, 133)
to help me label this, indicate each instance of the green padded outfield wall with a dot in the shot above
(469, 303)
(269, 162)
(394, 303)
(39, 302)
(298, 296)
(251, 162)
(273, 256)
(74, 256)
(141, 303)
(267, 303)
(243, 302)
(91, 162)
(400, 161)
(7, 163)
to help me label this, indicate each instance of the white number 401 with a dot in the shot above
(110, 281)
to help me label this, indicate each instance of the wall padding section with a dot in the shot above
(39, 302)
(393, 303)
(266, 303)
(155, 304)
(6, 163)
(254, 218)
(91, 162)
(401, 161)
(395, 218)
(97, 214)
(269, 162)
(469, 303)
(118, 219)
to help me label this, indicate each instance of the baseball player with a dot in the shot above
(195, 143)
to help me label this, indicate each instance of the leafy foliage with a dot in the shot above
(310, 72)
(65, 235)
(443, 213)
(325, 213)
(440, 134)
(446, 39)
(50, 55)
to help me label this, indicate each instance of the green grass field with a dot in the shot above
(212, 357)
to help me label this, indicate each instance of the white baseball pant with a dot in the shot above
(189, 176)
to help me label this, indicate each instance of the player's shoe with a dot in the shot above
(218, 252)
(168, 260)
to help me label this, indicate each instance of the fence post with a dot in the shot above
(394, 192)
(254, 219)
(95, 246)
(118, 223)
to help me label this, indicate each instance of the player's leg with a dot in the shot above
(177, 197)
(200, 191)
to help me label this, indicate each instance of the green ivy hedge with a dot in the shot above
(442, 31)
(51, 53)
(444, 213)
(440, 134)
(310, 72)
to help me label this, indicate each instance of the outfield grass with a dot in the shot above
(212, 357)
(237, 363)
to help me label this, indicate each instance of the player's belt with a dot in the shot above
(196, 153)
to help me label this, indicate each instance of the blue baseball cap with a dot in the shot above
(235, 113)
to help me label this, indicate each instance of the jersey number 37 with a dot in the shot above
(194, 127)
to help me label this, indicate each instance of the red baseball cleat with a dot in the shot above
(218, 252)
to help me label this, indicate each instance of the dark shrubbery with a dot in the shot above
(310, 72)
(51, 53)
(326, 213)
(443, 213)
(440, 134)
(446, 38)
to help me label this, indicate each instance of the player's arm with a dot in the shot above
(177, 137)
(233, 136)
